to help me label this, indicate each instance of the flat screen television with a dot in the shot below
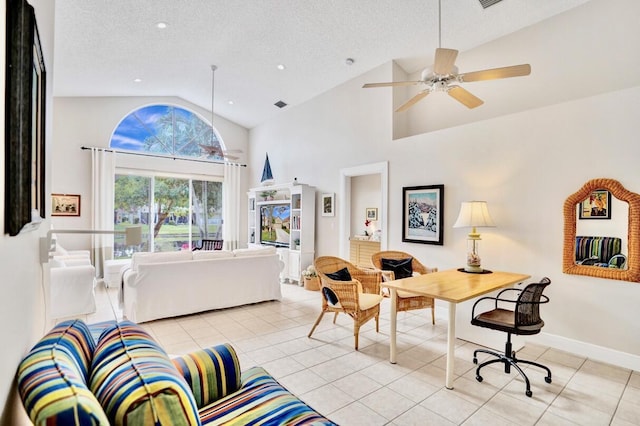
(275, 220)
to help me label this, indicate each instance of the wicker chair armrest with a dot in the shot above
(370, 280)
(346, 291)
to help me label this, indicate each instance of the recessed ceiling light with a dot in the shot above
(230, 102)
(281, 67)
(137, 80)
(161, 25)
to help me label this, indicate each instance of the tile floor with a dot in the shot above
(363, 388)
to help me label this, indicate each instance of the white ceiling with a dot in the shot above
(102, 46)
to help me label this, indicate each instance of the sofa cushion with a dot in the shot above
(401, 268)
(258, 251)
(211, 254)
(211, 373)
(143, 258)
(261, 400)
(136, 382)
(52, 378)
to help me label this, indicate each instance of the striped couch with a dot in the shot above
(118, 375)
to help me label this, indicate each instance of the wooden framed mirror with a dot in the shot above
(631, 272)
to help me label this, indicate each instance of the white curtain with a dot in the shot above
(103, 166)
(231, 207)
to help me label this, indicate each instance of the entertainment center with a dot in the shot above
(283, 216)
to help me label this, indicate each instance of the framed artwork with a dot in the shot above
(423, 214)
(328, 204)
(25, 96)
(597, 206)
(65, 205)
(372, 213)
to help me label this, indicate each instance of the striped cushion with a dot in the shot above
(261, 400)
(52, 378)
(135, 381)
(211, 373)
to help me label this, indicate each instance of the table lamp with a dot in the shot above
(473, 214)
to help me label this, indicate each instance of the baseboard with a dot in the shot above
(594, 352)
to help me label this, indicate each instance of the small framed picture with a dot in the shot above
(597, 206)
(423, 214)
(372, 213)
(65, 205)
(328, 204)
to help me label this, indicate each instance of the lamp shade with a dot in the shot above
(474, 214)
(133, 235)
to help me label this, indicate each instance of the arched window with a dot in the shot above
(167, 130)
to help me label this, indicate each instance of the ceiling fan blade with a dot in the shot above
(411, 102)
(495, 73)
(394, 83)
(464, 97)
(444, 61)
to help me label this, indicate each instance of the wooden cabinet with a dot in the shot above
(361, 251)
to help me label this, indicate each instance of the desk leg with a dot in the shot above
(392, 333)
(451, 345)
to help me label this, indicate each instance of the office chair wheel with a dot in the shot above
(547, 379)
(528, 393)
(479, 378)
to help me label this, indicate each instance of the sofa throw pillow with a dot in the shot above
(340, 275)
(53, 377)
(257, 251)
(211, 254)
(136, 382)
(141, 258)
(212, 373)
(401, 267)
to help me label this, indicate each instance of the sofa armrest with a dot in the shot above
(211, 373)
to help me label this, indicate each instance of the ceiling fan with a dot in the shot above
(444, 77)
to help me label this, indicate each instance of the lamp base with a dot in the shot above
(473, 268)
(481, 271)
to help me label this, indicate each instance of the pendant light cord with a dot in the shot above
(439, 24)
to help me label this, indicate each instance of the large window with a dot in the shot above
(175, 212)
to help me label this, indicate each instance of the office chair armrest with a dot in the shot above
(494, 299)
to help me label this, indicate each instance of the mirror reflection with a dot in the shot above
(601, 231)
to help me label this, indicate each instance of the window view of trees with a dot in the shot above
(175, 213)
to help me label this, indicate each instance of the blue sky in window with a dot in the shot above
(144, 123)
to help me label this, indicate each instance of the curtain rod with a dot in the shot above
(144, 154)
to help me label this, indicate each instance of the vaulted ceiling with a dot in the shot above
(102, 47)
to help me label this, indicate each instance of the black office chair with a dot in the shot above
(209, 245)
(524, 319)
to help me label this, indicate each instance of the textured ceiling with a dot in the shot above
(102, 46)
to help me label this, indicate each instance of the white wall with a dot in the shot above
(22, 302)
(365, 193)
(525, 165)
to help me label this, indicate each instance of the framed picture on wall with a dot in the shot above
(597, 206)
(423, 214)
(372, 213)
(328, 204)
(65, 205)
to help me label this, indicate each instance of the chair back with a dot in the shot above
(528, 304)
(210, 245)
(329, 264)
(376, 260)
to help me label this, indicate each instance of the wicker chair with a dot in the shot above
(359, 298)
(405, 301)
(209, 245)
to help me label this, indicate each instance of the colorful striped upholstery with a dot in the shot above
(52, 378)
(135, 381)
(261, 400)
(211, 373)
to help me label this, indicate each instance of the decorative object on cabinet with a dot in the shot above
(474, 214)
(25, 99)
(267, 176)
(423, 214)
(328, 202)
(65, 205)
(571, 206)
(596, 206)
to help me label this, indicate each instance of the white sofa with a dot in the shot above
(168, 284)
(71, 285)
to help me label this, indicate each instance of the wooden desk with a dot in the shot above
(454, 287)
